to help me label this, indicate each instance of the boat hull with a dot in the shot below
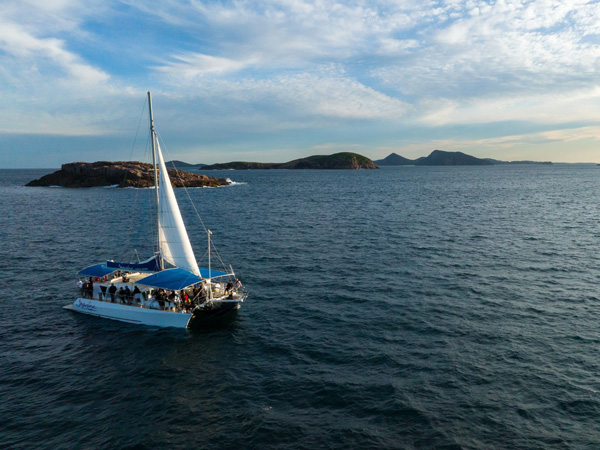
(154, 317)
(130, 314)
(212, 313)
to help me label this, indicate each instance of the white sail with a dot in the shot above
(173, 239)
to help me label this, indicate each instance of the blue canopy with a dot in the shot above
(176, 279)
(98, 270)
(150, 265)
(172, 279)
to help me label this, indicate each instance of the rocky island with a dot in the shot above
(121, 174)
(344, 160)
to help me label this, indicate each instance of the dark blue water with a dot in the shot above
(413, 307)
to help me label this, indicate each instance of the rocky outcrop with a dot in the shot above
(344, 160)
(119, 173)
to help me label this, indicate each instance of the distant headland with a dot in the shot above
(344, 160)
(347, 160)
(121, 174)
(443, 158)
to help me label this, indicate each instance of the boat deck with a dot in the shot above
(146, 298)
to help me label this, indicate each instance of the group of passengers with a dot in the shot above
(183, 300)
(87, 287)
(125, 295)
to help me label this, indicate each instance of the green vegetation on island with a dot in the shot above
(344, 160)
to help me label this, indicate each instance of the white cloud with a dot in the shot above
(42, 70)
(193, 66)
(316, 100)
(285, 33)
(47, 87)
(503, 61)
(572, 106)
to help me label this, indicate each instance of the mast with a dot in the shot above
(155, 169)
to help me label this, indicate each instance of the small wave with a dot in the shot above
(585, 407)
(479, 236)
(203, 187)
(234, 183)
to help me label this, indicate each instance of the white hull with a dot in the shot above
(130, 314)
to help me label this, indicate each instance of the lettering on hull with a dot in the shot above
(85, 305)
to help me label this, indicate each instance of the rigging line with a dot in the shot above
(129, 234)
(135, 137)
(218, 255)
(138, 128)
(203, 256)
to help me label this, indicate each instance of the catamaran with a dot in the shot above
(168, 289)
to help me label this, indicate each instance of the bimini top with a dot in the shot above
(99, 270)
(177, 279)
(150, 265)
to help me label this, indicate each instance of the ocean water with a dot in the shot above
(402, 308)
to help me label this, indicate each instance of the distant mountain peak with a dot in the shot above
(394, 160)
(435, 158)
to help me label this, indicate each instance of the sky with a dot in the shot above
(276, 80)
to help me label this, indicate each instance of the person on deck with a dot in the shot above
(136, 294)
(128, 295)
(160, 298)
(122, 294)
(177, 300)
(112, 291)
(202, 294)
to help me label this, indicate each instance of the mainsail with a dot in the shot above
(174, 243)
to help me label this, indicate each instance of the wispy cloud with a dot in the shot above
(191, 67)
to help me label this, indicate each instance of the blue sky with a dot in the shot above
(277, 80)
